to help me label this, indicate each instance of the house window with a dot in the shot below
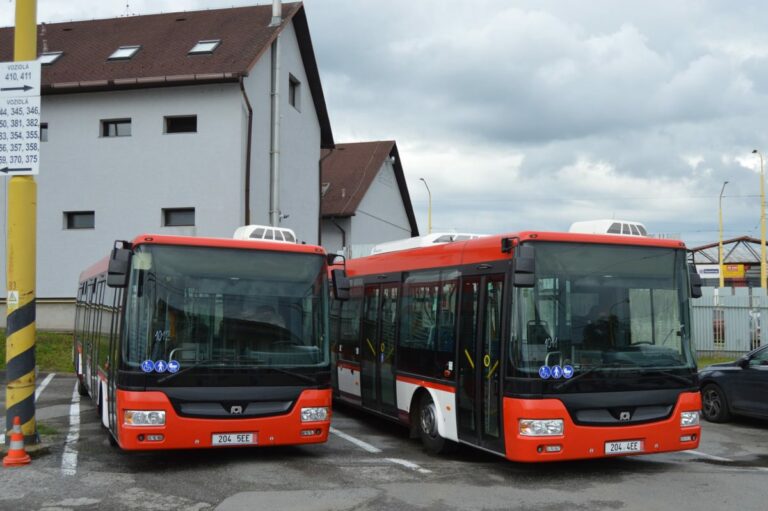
(203, 47)
(124, 53)
(79, 219)
(116, 128)
(43, 132)
(294, 92)
(46, 59)
(181, 124)
(178, 217)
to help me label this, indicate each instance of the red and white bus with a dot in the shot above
(535, 346)
(187, 342)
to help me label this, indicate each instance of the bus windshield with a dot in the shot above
(602, 310)
(224, 308)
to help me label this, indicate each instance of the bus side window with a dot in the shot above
(349, 330)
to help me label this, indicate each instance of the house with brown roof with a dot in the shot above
(365, 199)
(188, 123)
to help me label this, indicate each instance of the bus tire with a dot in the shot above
(427, 426)
(714, 404)
(81, 388)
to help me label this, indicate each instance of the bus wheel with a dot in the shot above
(714, 406)
(428, 432)
(81, 388)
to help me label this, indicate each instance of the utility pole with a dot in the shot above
(762, 221)
(721, 269)
(20, 265)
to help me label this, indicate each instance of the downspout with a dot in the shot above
(343, 236)
(274, 153)
(247, 155)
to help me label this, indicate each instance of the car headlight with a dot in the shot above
(144, 418)
(314, 414)
(689, 419)
(541, 427)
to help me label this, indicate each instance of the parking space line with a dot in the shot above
(375, 450)
(708, 456)
(409, 464)
(363, 445)
(39, 390)
(69, 458)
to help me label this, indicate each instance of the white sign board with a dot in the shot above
(19, 118)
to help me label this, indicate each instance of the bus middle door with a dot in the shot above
(377, 352)
(479, 386)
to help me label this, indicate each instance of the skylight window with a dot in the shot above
(50, 57)
(124, 53)
(205, 46)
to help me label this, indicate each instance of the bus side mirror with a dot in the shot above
(695, 280)
(119, 267)
(334, 259)
(524, 266)
(340, 284)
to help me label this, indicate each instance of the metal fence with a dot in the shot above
(726, 321)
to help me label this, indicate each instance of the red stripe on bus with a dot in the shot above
(428, 384)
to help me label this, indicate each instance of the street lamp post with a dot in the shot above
(720, 251)
(762, 221)
(429, 208)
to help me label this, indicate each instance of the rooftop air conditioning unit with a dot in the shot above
(265, 233)
(618, 227)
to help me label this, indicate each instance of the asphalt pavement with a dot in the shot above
(368, 463)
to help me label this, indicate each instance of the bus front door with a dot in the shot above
(377, 375)
(479, 392)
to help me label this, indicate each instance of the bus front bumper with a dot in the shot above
(193, 433)
(583, 442)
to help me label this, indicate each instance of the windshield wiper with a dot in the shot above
(579, 376)
(187, 369)
(591, 370)
(304, 377)
(677, 377)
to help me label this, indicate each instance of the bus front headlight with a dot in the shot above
(144, 418)
(314, 414)
(541, 427)
(689, 419)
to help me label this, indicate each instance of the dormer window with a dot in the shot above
(203, 47)
(49, 57)
(124, 53)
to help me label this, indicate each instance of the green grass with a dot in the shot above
(46, 430)
(703, 362)
(53, 351)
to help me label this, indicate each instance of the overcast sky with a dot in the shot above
(535, 114)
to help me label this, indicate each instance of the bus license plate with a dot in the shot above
(627, 446)
(233, 439)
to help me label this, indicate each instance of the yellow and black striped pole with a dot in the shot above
(21, 260)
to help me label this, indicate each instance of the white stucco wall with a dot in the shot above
(127, 181)
(381, 214)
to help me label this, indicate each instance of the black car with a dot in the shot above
(739, 387)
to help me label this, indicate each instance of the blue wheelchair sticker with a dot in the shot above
(147, 366)
(545, 372)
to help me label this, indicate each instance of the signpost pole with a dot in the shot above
(21, 260)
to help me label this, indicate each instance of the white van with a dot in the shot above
(620, 227)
